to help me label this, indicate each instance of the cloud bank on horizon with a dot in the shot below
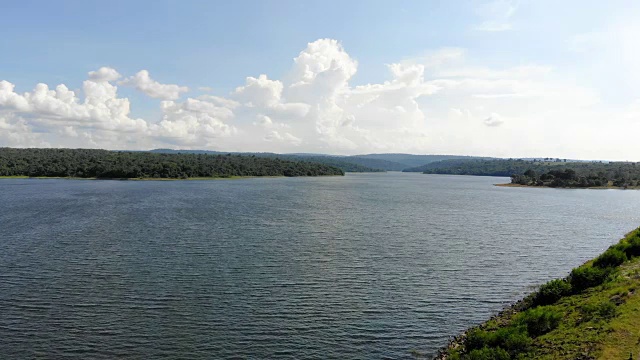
(442, 101)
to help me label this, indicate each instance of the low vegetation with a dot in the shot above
(88, 163)
(594, 313)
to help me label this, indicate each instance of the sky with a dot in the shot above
(491, 78)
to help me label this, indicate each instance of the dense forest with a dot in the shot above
(445, 163)
(352, 163)
(343, 163)
(614, 174)
(88, 163)
(548, 172)
(339, 162)
(482, 167)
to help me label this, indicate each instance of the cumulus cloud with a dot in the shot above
(104, 74)
(101, 107)
(16, 132)
(193, 122)
(494, 120)
(142, 81)
(259, 92)
(442, 101)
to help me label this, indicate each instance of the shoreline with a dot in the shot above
(611, 187)
(156, 179)
(577, 336)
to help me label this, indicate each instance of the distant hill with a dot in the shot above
(353, 163)
(343, 163)
(411, 160)
(375, 163)
(448, 163)
(487, 167)
(555, 173)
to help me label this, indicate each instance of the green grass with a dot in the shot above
(601, 321)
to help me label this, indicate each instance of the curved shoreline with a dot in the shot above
(155, 179)
(577, 336)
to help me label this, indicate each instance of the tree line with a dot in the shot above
(621, 176)
(346, 164)
(551, 172)
(91, 163)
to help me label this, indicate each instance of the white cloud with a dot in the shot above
(493, 120)
(274, 135)
(9, 99)
(259, 92)
(143, 82)
(444, 101)
(16, 132)
(264, 120)
(69, 131)
(220, 101)
(101, 107)
(104, 74)
(193, 123)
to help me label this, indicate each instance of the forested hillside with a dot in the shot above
(374, 163)
(481, 167)
(344, 163)
(460, 160)
(353, 163)
(556, 173)
(411, 160)
(89, 163)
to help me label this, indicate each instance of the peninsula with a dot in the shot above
(558, 173)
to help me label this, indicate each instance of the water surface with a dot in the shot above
(366, 266)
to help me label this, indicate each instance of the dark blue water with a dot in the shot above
(365, 266)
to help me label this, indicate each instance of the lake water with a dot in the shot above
(366, 266)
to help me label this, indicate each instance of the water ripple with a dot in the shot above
(369, 266)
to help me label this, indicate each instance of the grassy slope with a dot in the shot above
(581, 334)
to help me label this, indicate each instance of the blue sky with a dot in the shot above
(509, 68)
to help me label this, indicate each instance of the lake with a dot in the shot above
(366, 266)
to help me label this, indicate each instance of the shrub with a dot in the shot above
(515, 340)
(454, 354)
(610, 258)
(488, 354)
(602, 310)
(584, 277)
(551, 292)
(632, 247)
(477, 339)
(539, 320)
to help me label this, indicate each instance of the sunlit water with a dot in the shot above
(365, 266)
